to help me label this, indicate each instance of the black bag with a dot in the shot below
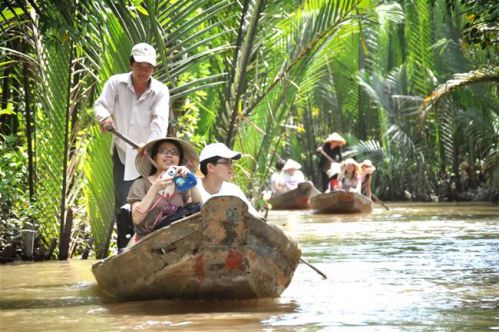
(181, 212)
(124, 225)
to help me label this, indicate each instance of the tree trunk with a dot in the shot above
(66, 236)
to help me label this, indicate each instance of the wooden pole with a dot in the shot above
(323, 275)
(380, 201)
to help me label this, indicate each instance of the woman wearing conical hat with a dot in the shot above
(154, 195)
(292, 175)
(330, 152)
(366, 170)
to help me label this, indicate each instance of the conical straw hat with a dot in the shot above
(335, 137)
(290, 164)
(144, 165)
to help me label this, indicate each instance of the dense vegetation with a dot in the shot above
(410, 84)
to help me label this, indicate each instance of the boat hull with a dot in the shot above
(223, 252)
(296, 199)
(341, 202)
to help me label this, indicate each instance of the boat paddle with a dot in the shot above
(112, 130)
(123, 137)
(323, 275)
(376, 199)
(380, 201)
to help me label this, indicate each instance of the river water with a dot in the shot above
(416, 267)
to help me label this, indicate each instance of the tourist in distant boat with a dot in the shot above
(292, 175)
(350, 176)
(154, 195)
(366, 170)
(334, 173)
(330, 152)
(276, 180)
(216, 165)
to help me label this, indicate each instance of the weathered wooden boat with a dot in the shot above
(296, 199)
(341, 202)
(222, 252)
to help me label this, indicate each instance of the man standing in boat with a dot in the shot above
(137, 106)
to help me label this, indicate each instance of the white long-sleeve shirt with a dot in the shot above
(140, 119)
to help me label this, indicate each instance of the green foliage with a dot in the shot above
(16, 210)
(481, 19)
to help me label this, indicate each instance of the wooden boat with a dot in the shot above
(296, 199)
(341, 202)
(222, 252)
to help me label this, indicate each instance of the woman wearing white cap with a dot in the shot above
(292, 175)
(154, 196)
(216, 165)
(330, 152)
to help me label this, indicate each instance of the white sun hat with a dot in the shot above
(368, 165)
(218, 150)
(335, 137)
(351, 161)
(291, 164)
(144, 53)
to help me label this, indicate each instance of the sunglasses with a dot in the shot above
(224, 162)
(171, 152)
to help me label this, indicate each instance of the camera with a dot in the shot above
(169, 174)
(182, 183)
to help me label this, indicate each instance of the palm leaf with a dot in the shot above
(457, 81)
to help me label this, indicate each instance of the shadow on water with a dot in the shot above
(80, 294)
(90, 294)
(178, 307)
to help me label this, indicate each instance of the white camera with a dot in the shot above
(169, 174)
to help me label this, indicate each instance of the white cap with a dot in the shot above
(218, 150)
(144, 53)
(291, 164)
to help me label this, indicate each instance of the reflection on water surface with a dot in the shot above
(417, 267)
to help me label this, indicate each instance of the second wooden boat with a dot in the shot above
(341, 202)
(296, 199)
(222, 252)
